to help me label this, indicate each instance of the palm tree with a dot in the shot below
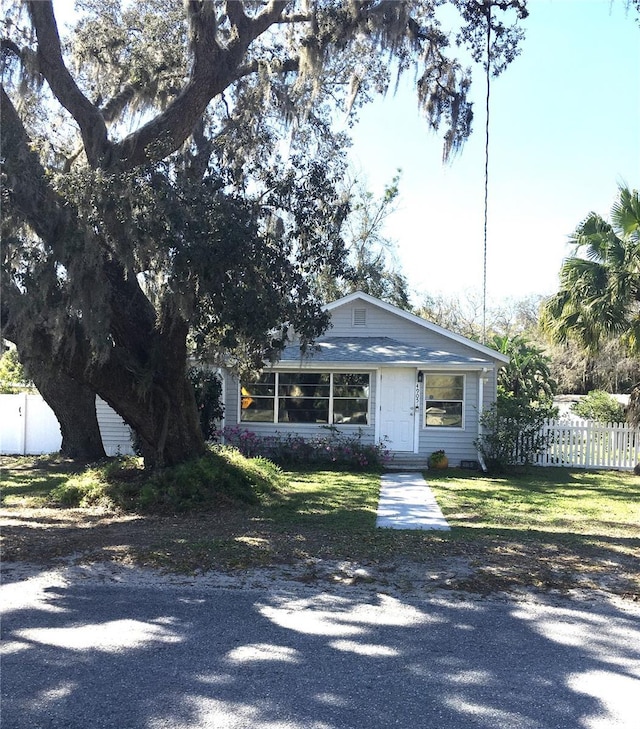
(599, 296)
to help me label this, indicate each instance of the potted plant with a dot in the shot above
(438, 459)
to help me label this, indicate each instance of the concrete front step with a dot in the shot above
(407, 463)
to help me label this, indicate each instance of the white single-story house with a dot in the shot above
(380, 371)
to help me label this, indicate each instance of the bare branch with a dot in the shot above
(117, 103)
(270, 15)
(8, 46)
(235, 13)
(296, 18)
(289, 65)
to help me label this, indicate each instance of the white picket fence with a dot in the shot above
(591, 445)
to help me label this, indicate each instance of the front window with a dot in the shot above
(257, 399)
(350, 398)
(306, 397)
(303, 397)
(444, 400)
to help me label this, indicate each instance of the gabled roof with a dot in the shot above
(355, 351)
(361, 296)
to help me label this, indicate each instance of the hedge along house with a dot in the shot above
(380, 372)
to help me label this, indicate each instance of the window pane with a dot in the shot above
(350, 411)
(444, 387)
(303, 410)
(444, 414)
(350, 385)
(257, 410)
(304, 384)
(264, 386)
(257, 399)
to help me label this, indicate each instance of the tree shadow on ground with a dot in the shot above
(143, 653)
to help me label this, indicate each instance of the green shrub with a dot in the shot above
(330, 449)
(599, 405)
(222, 476)
(13, 378)
(511, 436)
(93, 487)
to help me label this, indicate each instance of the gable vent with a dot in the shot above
(359, 317)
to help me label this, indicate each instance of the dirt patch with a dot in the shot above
(232, 542)
(235, 541)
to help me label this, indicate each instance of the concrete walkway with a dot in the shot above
(406, 502)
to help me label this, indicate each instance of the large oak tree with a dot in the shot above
(170, 177)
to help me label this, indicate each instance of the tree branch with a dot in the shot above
(287, 66)
(88, 117)
(213, 70)
(24, 176)
(235, 13)
(117, 103)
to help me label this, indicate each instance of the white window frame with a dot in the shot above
(276, 404)
(426, 375)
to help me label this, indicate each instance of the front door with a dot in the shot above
(397, 408)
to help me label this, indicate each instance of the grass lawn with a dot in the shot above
(543, 501)
(543, 528)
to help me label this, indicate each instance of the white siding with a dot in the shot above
(116, 435)
(381, 323)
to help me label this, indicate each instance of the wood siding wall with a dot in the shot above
(381, 323)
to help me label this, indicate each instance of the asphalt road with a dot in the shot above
(129, 651)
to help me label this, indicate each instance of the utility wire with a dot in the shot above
(486, 177)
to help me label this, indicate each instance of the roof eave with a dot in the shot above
(355, 365)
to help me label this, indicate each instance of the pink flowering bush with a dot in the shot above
(330, 449)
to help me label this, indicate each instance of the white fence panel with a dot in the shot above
(28, 426)
(42, 432)
(586, 444)
(12, 431)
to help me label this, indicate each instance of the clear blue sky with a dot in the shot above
(565, 132)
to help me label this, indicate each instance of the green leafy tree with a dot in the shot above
(599, 296)
(511, 428)
(599, 405)
(12, 375)
(370, 253)
(527, 378)
(148, 202)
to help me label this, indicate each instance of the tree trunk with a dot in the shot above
(633, 408)
(139, 366)
(74, 406)
(73, 403)
(143, 377)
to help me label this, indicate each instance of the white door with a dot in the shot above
(397, 408)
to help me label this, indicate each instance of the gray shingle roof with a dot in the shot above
(374, 350)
